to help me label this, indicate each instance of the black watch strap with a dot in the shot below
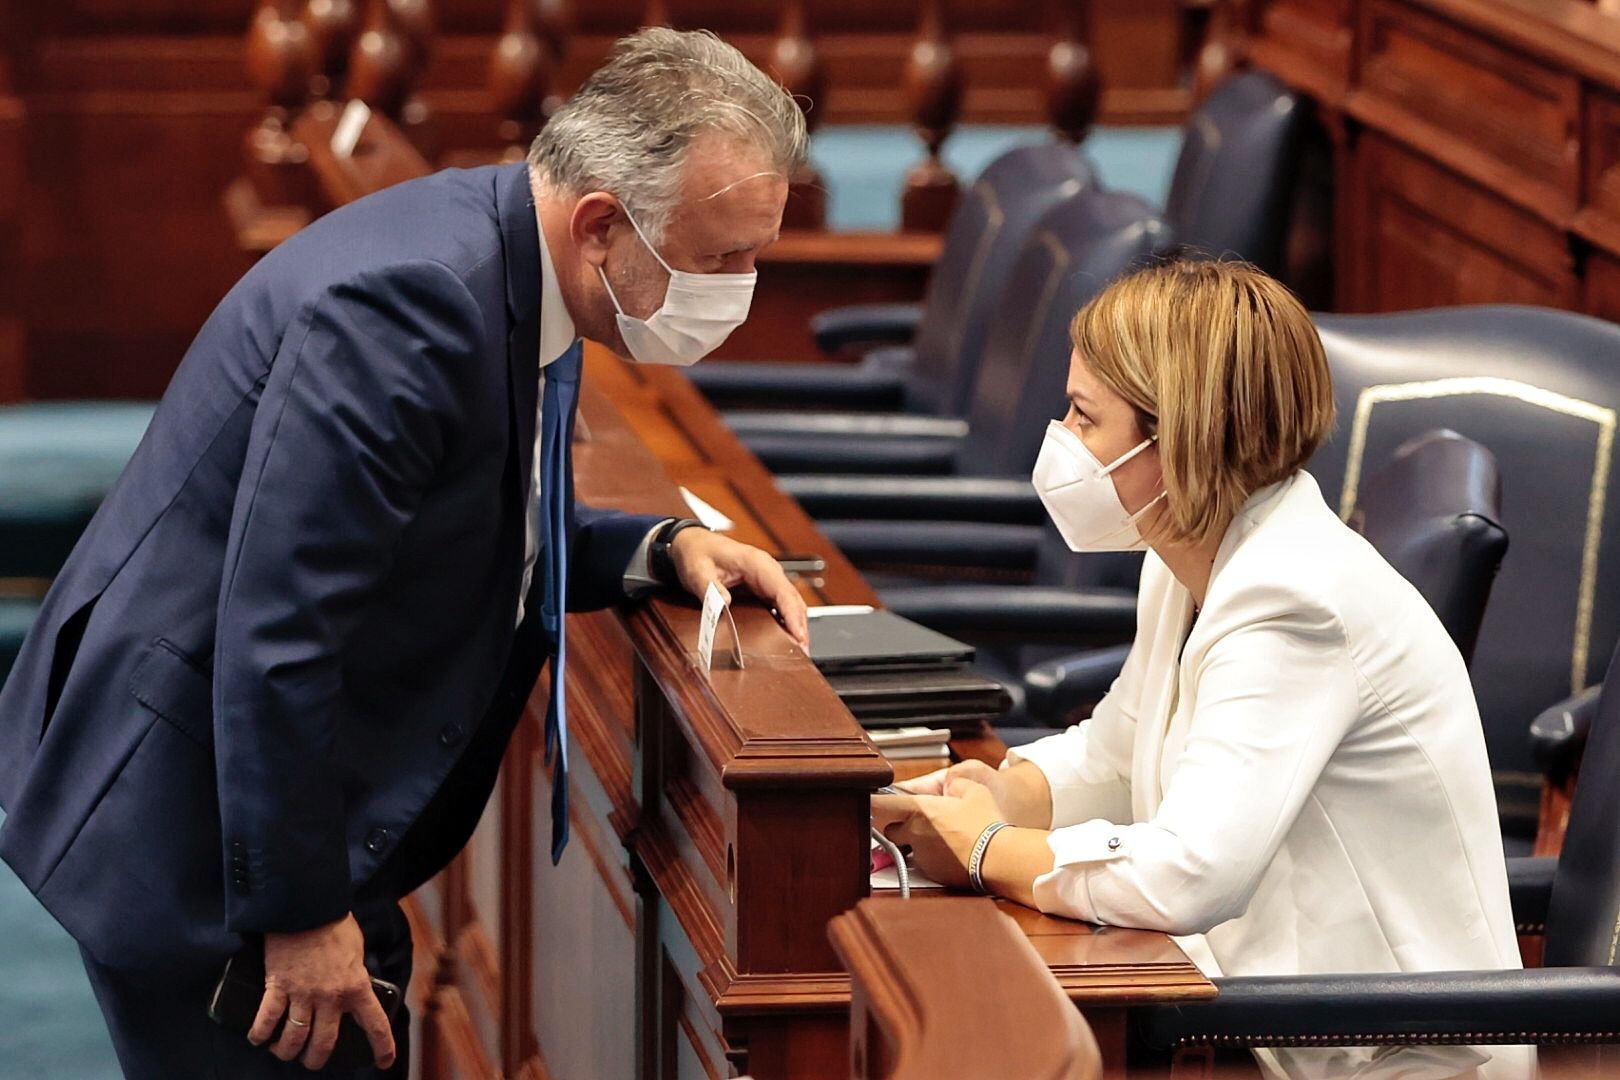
(659, 559)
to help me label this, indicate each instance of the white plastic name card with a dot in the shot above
(346, 136)
(714, 604)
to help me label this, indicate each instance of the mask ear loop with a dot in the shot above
(668, 268)
(1132, 452)
(601, 271)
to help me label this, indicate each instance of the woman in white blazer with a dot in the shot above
(1289, 773)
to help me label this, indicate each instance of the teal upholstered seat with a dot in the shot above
(16, 616)
(57, 460)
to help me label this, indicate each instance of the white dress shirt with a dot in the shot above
(1303, 790)
(557, 336)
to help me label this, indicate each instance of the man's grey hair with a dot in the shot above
(628, 129)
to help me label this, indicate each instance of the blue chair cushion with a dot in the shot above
(57, 462)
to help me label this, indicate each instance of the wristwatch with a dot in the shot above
(659, 560)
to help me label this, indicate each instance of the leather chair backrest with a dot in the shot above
(1583, 915)
(1232, 190)
(1538, 388)
(1058, 567)
(990, 227)
(1434, 513)
(1077, 249)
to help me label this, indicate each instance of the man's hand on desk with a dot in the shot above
(701, 556)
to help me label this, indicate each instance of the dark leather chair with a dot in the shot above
(1233, 187)
(1078, 248)
(1574, 998)
(1434, 511)
(932, 349)
(1070, 602)
(1536, 387)
(1230, 196)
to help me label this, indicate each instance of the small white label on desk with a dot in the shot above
(713, 604)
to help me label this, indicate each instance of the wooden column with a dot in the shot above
(795, 64)
(389, 62)
(271, 199)
(12, 117)
(527, 57)
(280, 63)
(934, 85)
(332, 26)
(1218, 42)
(1072, 87)
(657, 14)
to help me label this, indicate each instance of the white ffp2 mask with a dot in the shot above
(1080, 496)
(699, 312)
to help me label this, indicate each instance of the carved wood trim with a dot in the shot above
(457, 1038)
(913, 1015)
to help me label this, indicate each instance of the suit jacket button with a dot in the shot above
(376, 841)
(451, 733)
(239, 882)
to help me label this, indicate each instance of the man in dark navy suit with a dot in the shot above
(268, 694)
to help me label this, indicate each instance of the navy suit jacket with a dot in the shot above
(294, 611)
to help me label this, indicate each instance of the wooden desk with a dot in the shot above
(718, 824)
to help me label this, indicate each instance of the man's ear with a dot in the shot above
(592, 223)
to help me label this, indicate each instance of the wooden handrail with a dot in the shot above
(951, 987)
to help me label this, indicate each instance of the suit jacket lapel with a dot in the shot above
(520, 229)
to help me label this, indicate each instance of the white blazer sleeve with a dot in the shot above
(1272, 700)
(1088, 766)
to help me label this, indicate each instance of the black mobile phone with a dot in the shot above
(241, 988)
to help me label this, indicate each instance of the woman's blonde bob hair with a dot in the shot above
(1225, 366)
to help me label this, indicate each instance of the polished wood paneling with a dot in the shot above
(1492, 111)
(12, 312)
(1602, 286)
(1431, 238)
(1475, 144)
(804, 273)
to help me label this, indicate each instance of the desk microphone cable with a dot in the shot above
(900, 871)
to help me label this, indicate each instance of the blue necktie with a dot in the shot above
(556, 409)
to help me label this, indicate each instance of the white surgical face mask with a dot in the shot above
(699, 312)
(1079, 493)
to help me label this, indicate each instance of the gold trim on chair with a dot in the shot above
(1054, 278)
(1603, 417)
(994, 217)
